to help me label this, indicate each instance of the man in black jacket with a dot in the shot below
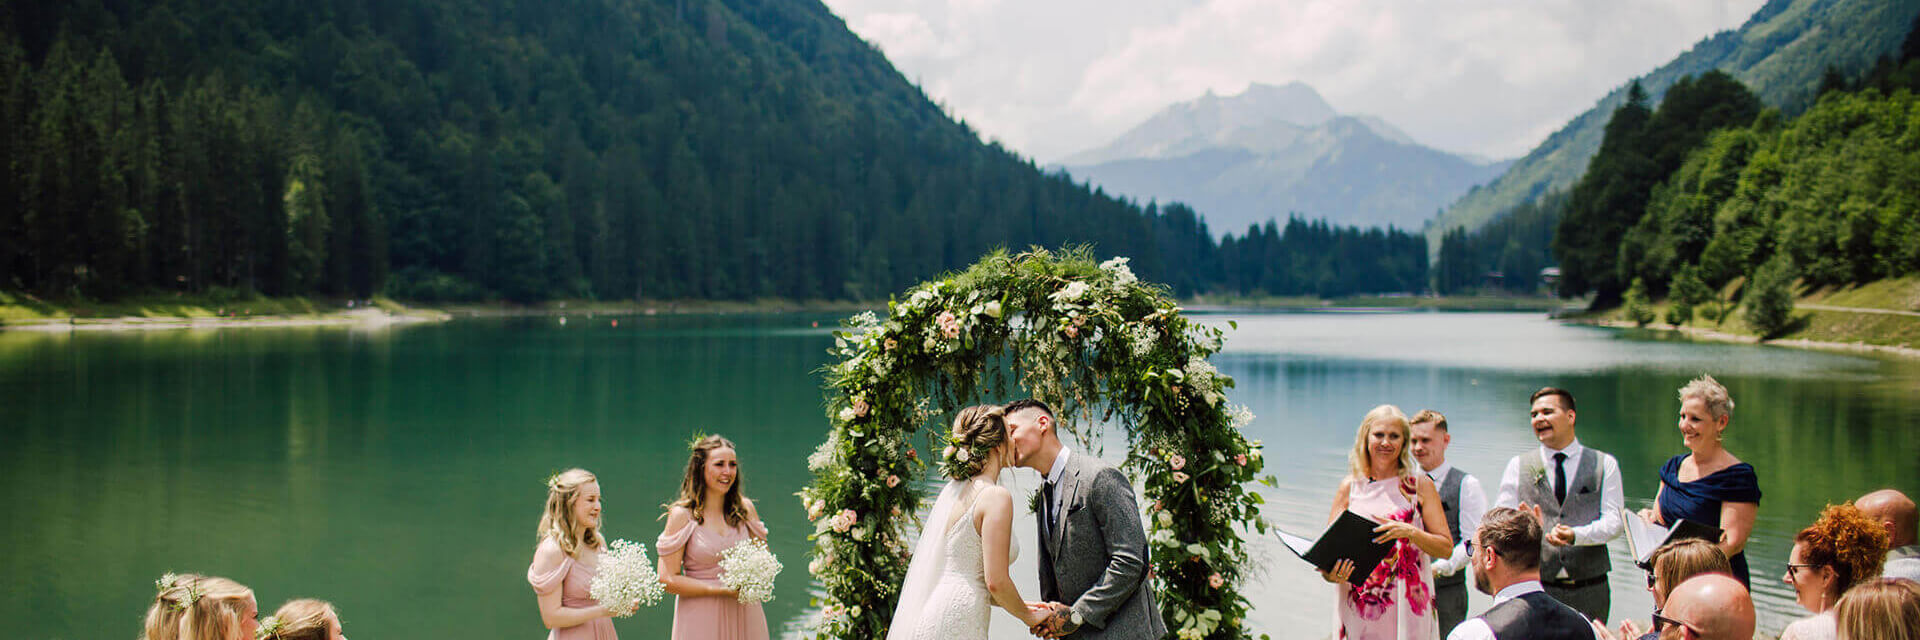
(1506, 564)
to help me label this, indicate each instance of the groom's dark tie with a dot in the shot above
(1046, 503)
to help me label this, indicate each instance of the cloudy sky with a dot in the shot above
(1492, 77)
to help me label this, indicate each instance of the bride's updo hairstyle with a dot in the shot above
(978, 431)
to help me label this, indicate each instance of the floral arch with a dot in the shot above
(1092, 340)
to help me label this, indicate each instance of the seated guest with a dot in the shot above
(1506, 564)
(1884, 609)
(303, 619)
(1894, 510)
(1673, 563)
(1709, 607)
(1708, 484)
(1841, 549)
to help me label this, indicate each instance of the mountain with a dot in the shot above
(1780, 53)
(1273, 151)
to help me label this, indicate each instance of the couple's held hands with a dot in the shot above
(1341, 571)
(1049, 620)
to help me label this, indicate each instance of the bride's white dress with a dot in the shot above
(957, 606)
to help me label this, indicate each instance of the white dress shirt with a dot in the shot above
(1613, 499)
(1473, 506)
(1054, 475)
(1477, 629)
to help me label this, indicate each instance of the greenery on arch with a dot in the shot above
(1089, 338)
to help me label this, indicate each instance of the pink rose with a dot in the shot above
(1180, 477)
(1177, 461)
(891, 343)
(1240, 459)
(893, 481)
(1215, 581)
(860, 407)
(845, 520)
(1073, 332)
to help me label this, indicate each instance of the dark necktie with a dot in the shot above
(1560, 477)
(1046, 497)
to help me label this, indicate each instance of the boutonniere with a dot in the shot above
(1033, 503)
(1539, 474)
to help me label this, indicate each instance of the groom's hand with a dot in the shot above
(1054, 625)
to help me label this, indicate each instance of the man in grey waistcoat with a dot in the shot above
(1578, 492)
(1463, 501)
(1093, 549)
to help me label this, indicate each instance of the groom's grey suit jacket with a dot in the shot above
(1096, 559)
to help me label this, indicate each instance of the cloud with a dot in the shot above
(1493, 77)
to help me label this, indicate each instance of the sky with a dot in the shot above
(1049, 78)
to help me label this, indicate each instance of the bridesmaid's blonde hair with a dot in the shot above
(302, 619)
(195, 607)
(557, 522)
(1387, 414)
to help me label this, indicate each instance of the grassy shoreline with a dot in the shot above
(1877, 317)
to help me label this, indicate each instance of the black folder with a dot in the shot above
(1350, 537)
(1644, 538)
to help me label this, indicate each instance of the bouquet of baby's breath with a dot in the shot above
(626, 576)
(749, 568)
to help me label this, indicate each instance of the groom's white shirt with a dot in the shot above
(1053, 475)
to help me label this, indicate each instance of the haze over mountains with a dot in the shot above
(1273, 151)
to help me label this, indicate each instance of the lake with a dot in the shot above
(399, 472)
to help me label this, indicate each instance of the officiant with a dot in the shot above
(1708, 484)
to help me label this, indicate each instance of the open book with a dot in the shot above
(1644, 537)
(1350, 537)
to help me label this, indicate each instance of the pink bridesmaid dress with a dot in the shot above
(1397, 601)
(573, 581)
(711, 617)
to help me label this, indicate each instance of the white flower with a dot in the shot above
(992, 308)
(1070, 293)
(860, 533)
(625, 576)
(749, 568)
(930, 343)
(823, 455)
(1239, 416)
(1142, 339)
(962, 455)
(846, 414)
(1122, 274)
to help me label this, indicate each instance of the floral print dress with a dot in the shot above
(1396, 603)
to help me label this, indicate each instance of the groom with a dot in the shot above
(1093, 551)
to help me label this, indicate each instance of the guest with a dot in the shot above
(1384, 485)
(709, 517)
(1673, 563)
(1506, 565)
(1895, 512)
(1841, 549)
(1709, 485)
(1709, 607)
(1579, 493)
(1883, 609)
(196, 607)
(303, 619)
(1463, 501)
(564, 562)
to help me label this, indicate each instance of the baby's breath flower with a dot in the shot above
(749, 569)
(625, 577)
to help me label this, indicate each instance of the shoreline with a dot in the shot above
(358, 318)
(1712, 335)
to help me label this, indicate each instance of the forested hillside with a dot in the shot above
(440, 150)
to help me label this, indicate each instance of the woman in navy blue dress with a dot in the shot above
(1708, 484)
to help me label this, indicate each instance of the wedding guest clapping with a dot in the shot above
(1708, 484)
(196, 607)
(1579, 494)
(1463, 501)
(1895, 512)
(1385, 485)
(1673, 563)
(1841, 549)
(303, 619)
(1883, 609)
(710, 516)
(563, 564)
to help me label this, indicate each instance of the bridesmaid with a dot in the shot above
(1708, 484)
(709, 517)
(196, 607)
(563, 564)
(304, 619)
(1385, 485)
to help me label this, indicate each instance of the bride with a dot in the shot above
(960, 564)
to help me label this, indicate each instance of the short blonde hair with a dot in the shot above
(191, 606)
(1710, 391)
(1357, 459)
(1883, 609)
(303, 619)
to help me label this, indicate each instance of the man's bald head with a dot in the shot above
(1893, 510)
(1715, 604)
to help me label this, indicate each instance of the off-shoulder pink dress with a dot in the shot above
(573, 580)
(711, 617)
